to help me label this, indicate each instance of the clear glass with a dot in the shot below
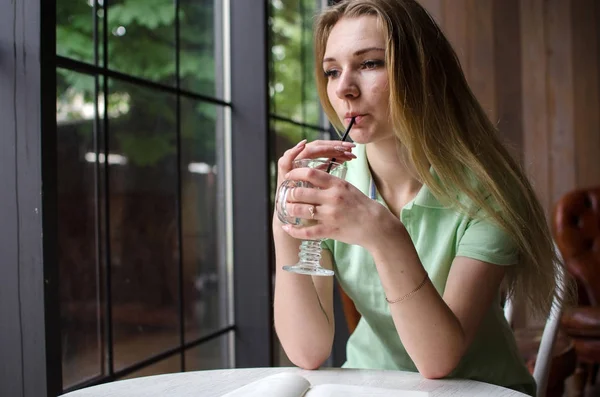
(201, 52)
(212, 354)
(205, 288)
(310, 250)
(292, 88)
(80, 211)
(143, 165)
(167, 366)
(283, 136)
(141, 39)
(76, 35)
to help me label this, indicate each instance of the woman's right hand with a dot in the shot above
(341, 151)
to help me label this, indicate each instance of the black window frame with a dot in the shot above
(30, 343)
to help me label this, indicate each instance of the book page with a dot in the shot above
(331, 390)
(279, 385)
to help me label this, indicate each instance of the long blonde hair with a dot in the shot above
(440, 124)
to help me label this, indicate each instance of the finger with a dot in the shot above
(285, 161)
(304, 211)
(332, 143)
(327, 151)
(304, 195)
(339, 150)
(318, 178)
(315, 232)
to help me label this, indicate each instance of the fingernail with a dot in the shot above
(286, 228)
(348, 144)
(340, 148)
(350, 154)
(302, 142)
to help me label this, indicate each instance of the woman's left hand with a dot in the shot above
(341, 211)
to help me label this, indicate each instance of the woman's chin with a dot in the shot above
(361, 137)
(365, 136)
(360, 141)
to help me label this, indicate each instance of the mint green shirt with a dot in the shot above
(439, 235)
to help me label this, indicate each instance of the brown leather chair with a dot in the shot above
(576, 225)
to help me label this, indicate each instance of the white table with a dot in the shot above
(217, 383)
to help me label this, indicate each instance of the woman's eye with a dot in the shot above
(372, 64)
(331, 73)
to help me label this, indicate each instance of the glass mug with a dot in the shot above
(310, 250)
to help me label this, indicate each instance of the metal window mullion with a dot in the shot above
(271, 60)
(86, 68)
(107, 247)
(47, 128)
(226, 182)
(222, 138)
(98, 199)
(250, 182)
(303, 71)
(179, 201)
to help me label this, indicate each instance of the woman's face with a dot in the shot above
(357, 80)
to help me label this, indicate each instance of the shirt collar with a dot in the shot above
(424, 197)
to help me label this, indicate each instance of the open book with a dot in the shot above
(294, 385)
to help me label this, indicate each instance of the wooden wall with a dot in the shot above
(534, 65)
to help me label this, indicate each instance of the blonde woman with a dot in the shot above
(433, 217)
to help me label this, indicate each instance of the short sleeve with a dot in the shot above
(485, 241)
(327, 244)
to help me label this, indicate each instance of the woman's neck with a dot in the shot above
(395, 181)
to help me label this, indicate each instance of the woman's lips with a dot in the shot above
(357, 119)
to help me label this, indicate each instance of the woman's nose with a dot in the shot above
(347, 87)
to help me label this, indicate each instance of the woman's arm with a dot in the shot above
(303, 305)
(435, 331)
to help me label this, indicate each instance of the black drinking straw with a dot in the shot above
(343, 139)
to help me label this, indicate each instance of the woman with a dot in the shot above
(433, 218)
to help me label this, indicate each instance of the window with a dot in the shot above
(141, 114)
(294, 104)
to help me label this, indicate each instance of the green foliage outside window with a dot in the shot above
(141, 43)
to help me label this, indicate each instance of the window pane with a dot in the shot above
(166, 366)
(143, 222)
(213, 354)
(206, 293)
(78, 204)
(292, 84)
(75, 29)
(141, 38)
(285, 135)
(201, 45)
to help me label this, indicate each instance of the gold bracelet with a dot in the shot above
(411, 292)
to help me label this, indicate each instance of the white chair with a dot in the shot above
(543, 361)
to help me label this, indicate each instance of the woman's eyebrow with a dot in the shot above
(357, 53)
